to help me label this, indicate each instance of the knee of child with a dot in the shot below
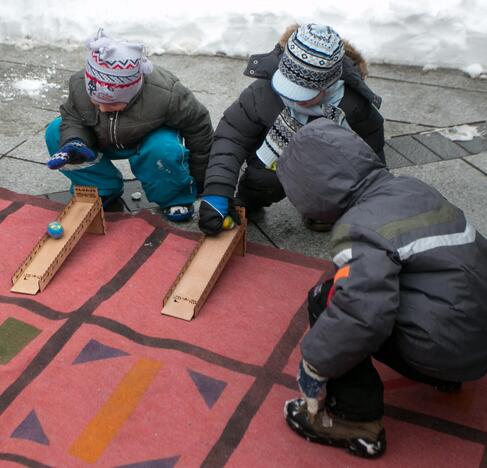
(163, 143)
(52, 135)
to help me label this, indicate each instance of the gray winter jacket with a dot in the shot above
(162, 102)
(409, 263)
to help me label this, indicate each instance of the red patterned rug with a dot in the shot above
(91, 374)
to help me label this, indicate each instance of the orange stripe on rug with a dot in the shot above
(100, 431)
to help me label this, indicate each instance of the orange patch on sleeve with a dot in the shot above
(343, 272)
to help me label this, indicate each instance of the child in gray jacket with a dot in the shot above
(410, 288)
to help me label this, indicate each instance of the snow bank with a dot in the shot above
(431, 33)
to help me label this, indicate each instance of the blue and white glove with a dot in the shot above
(73, 152)
(213, 211)
(312, 386)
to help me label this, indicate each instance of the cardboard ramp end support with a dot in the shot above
(201, 271)
(83, 213)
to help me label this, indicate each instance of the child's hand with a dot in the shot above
(73, 152)
(215, 211)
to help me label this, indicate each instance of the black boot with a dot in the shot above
(317, 225)
(363, 439)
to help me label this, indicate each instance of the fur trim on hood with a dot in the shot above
(350, 50)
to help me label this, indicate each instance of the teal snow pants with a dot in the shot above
(160, 163)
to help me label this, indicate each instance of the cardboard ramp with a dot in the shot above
(83, 213)
(201, 271)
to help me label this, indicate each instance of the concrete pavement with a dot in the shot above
(416, 104)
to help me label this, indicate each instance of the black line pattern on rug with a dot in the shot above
(76, 319)
(12, 208)
(35, 307)
(21, 460)
(242, 417)
(266, 376)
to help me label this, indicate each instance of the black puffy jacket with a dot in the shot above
(244, 125)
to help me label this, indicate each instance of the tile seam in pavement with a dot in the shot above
(374, 76)
(409, 123)
(455, 88)
(22, 62)
(435, 152)
(404, 155)
(6, 153)
(261, 230)
(432, 128)
(400, 154)
(16, 158)
(473, 165)
(412, 135)
(46, 110)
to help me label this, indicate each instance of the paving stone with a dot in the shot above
(392, 129)
(32, 149)
(411, 107)
(64, 197)
(253, 232)
(134, 205)
(394, 159)
(30, 178)
(50, 91)
(9, 143)
(284, 225)
(60, 197)
(438, 77)
(19, 123)
(427, 105)
(413, 150)
(479, 161)
(441, 145)
(45, 56)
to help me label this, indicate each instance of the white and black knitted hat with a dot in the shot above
(114, 69)
(311, 61)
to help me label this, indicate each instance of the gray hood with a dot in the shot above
(325, 168)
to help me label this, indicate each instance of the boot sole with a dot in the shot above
(357, 447)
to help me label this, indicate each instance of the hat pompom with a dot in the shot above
(102, 45)
(146, 66)
(91, 42)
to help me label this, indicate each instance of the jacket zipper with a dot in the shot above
(112, 130)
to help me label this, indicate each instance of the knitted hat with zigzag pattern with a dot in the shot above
(311, 62)
(114, 69)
